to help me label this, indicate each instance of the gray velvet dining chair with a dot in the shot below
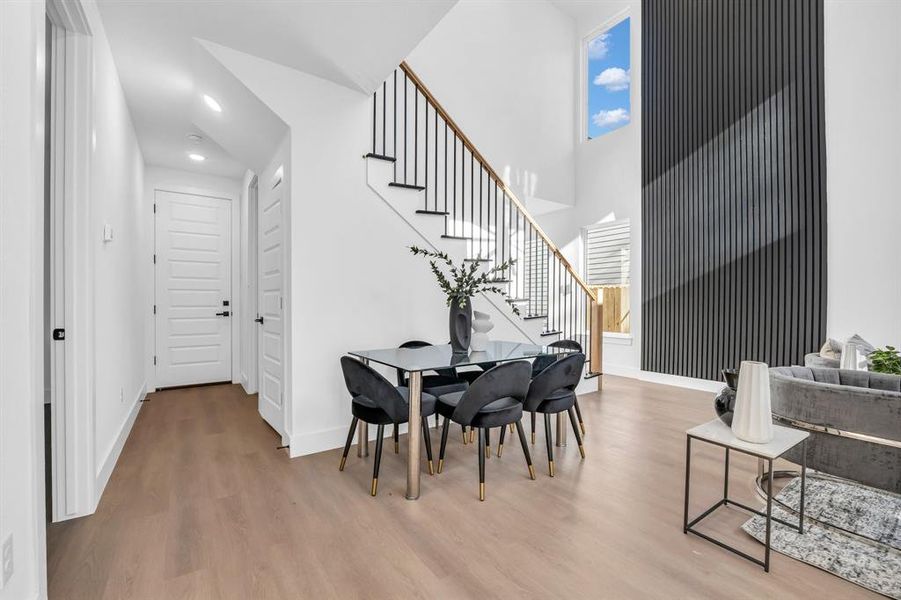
(543, 362)
(553, 391)
(377, 402)
(493, 400)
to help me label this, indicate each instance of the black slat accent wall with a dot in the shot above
(733, 184)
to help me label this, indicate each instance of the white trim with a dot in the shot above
(616, 338)
(664, 379)
(583, 70)
(235, 301)
(115, 450)
(326, 440)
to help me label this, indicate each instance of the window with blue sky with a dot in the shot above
(609, 79)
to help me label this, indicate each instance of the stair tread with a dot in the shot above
(476, 260)
(551, 332)
(455, 237)
(432, 212)
(499, 281)
(379, 156)
(406, 186)
(530, 317)
(519, 299)
(592, 375)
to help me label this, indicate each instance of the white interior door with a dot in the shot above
(271, 306)
(193, 289)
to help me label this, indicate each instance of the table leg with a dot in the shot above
(561, 429)
(363, 432)
(414, 434)
(769, 516)
(726, 480)
(803, 484)
(687, 480)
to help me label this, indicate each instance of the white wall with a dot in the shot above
(176, 180)
(863, 168)
(21, 295)
(247, 369)
(117, 169)
(607, 180)
(503, 70)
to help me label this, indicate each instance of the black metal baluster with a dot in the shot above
(416, 136)
(436, 160)
(425, 163)
(384, 116)
(374, 121)
(481, 171)
(455, 220)
(394, 125)
(445, 177)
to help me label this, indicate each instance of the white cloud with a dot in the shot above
(597, 48)
(604, 118)
(614, 79)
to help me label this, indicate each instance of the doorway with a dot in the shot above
(193, 289)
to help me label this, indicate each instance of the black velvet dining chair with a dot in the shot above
(553, 391)
(543, 362)
(493, 400)
(441, 381)
(376, 401)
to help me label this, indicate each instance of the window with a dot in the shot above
(608, 255)
(609, 73)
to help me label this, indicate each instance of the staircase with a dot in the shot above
(431, 174)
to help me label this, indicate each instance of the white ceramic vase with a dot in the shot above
(752, 420)
(852, 358)
(481, 325)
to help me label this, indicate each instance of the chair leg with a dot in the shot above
(500, 443)
(572, 420)
(472, 432)
(379, 440)
(427, 438)
(533, 427)
(511, 427)
(350, 440)
(487, 442)
(444, 431)
(463, 427)
(396, 438)
(482, 440)
(525, 448)
(579, 414)
(550, 444)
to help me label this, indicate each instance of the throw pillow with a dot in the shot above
(832, 349)
(864, 346)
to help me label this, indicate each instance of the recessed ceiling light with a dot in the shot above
(211, 102)
(197, 157)
(194, 138)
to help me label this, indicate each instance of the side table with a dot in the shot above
(719, 434)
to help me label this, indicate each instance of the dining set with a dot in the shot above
(477, 391)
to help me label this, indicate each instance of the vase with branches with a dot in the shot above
(460, 284)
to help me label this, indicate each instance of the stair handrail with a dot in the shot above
(467, 143)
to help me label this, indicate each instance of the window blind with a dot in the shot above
(608, 250)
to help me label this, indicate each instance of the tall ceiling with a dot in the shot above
(163, 69)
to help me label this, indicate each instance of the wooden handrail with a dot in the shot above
(493, 175)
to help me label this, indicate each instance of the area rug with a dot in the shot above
(850, 530)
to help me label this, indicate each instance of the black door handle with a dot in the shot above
(259, 320)
(223, 314)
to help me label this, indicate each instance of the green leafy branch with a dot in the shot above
(885, 360)
(461, 283)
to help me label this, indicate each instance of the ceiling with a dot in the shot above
(164, 69)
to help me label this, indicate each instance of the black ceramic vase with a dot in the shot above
(460, 326)
(724, 403)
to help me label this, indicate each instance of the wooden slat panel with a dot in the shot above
(733, 184)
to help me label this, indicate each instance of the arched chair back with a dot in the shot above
(401, 374)
(543, 362)
(363, 380)
(509, 379)
(563, 374)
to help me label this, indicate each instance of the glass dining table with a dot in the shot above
(416, 361)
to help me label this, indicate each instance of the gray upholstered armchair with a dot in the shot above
(854, 418)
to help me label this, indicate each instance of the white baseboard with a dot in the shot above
(705, 385)
(329, 439)
(112, 457)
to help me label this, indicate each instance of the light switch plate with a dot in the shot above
(107, 233)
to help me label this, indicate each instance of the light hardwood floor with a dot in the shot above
(203, 505)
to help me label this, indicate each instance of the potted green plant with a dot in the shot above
(459, 285)
(885, 360)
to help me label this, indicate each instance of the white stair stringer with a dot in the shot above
(430, 228)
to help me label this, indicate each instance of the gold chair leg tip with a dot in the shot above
(431, 469)
(440, 465)
(375, 487)
(582, 427)
(341, 466)
(500, 450)
(550, 468)
(532, 472)
(582, 451)
(482, 492)
(533, 437)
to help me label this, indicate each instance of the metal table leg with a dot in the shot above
(803, 484)
(769, 516)
(363, 432)
(687, 481)
(561, 429)
(414, 433)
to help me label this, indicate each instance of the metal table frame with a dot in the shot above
(688, 527)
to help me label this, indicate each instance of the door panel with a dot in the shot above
(193, 279)
(271, 307)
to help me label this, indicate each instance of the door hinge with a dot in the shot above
(59, 334)
(154, 309)
(154, 360)
(154, 208)
(154, 259)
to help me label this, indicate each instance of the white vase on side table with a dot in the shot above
(481, 325)
(752, 420)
